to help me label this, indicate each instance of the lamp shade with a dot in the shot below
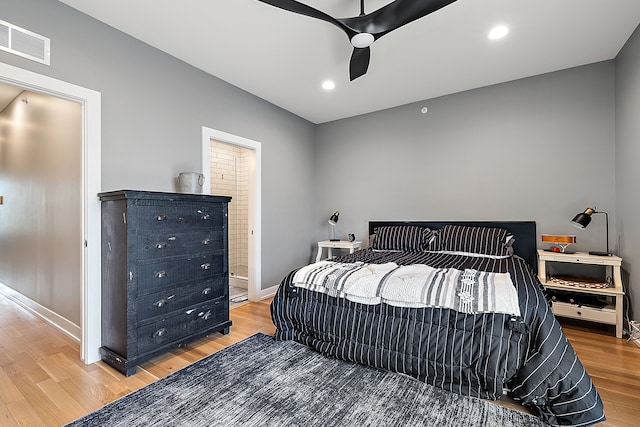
(583, 219)
(334, 218)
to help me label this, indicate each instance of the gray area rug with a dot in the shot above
(262, 382)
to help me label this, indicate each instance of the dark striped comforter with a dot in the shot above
(481, 355)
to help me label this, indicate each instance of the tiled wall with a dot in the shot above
(230, 177)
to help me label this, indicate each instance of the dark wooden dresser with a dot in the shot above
(164, 273)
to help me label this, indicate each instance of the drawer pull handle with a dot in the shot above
(160, 274)
(207, 291)
(161, 218)
(161, 245)
(206, 242)
(206, 315)
(164, 301)
(206, 266)
(206, 217)
(160, 332)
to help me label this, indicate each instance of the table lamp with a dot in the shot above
(333, 221)
(583, 219)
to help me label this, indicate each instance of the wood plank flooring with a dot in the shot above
(44, 383)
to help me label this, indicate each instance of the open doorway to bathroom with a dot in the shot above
(230, 177)
(242, 157)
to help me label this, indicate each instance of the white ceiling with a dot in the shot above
(284, 57)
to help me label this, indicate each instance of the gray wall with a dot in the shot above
(153, 109)
(627, 162)
(540, 148)
(40, 222)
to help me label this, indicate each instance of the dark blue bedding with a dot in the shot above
(482, 355)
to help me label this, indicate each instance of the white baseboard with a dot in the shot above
(267, 293)
(54, 319)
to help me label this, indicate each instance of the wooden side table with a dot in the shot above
(611, 314)
(339, 244)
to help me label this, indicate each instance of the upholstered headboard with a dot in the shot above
(523, 231)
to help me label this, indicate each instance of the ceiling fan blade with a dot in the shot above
(303, 9)
(359, 62)
(393, 16)
(373, 25)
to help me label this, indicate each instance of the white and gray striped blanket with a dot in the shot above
(418, 285)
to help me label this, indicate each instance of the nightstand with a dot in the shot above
(610, 314)
(339, 244)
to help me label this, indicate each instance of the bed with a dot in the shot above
(454, 304)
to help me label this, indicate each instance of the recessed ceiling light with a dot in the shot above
(498, 32)
(328, 85)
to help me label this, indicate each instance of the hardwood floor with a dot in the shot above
(43, 382)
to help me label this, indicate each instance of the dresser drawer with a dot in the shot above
(163, 218)
(154, 275)
(157, 245)
(166, 301)
(181, 324)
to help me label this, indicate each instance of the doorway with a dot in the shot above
(40, 171)
(230, 177)
(88, 333)
(239, 162)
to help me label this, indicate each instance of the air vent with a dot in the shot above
(24, 43)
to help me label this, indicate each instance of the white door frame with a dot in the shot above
(254, 287)
(90, 100)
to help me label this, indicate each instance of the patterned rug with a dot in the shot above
(262, 382)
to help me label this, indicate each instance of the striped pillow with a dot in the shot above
(477, 240)
(402, 238)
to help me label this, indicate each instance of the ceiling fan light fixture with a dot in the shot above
(362, 40)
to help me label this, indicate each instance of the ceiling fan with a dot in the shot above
(364, 29)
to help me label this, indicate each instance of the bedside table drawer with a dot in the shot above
(577, 259)
(603, 315)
